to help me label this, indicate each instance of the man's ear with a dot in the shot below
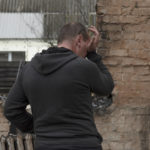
(78, 39)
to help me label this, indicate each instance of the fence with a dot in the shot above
(19, 142)
(8, 72)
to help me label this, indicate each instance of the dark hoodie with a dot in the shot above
(58, 84)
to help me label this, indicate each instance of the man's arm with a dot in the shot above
(100, 79)
(15, 107)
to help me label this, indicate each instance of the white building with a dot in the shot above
(21, 36)
(28, 26)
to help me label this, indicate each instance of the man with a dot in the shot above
(57, 83)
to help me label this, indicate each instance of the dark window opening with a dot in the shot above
(12, 56)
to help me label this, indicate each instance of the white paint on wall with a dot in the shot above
(30, 47)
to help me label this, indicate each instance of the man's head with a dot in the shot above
(75, 37)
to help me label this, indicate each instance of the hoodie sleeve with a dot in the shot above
(15, 107)
(100, 79)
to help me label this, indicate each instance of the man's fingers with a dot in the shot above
(92, 40)
(94, 30)
(96, 33)
(93, 43)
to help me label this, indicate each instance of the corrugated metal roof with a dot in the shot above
(49, 17)
(45, 5)
(21, 25)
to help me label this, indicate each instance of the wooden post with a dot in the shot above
(2, 143)
(20, 145)
(10, 142)
(28, 142)
(19, 142)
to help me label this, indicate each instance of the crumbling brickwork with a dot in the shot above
(125, 45)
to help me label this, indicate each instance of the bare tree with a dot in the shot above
(73, 10)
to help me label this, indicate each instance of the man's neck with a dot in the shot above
(67, 45)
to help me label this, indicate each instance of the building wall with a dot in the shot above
(125, 45)
(30, 47)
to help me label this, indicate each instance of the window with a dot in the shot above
(12, 56)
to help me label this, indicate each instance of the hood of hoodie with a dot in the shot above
(50, 60)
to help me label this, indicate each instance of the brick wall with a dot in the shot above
(125, 45)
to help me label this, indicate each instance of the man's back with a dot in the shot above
(60, 96)
(57, 83)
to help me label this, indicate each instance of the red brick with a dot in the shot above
(113, 45)
(118, 52)
(132, 93)
(146, 3)
(141, 11)
(134, 62)
(117, 76)
(142, 70)
(130, 44)
(128, 35)
(100, 3)
(119, 3)
(126, 10)
(128, 69)
(143, 54)
(139, 27)
(123, 3)
(142, 36)
(135, 45)
(145, 44)
(128, 76)
(114, 69)
(109, 10)
(114, 36)
(112, 27)
(135, 77)
(133, 87)
(112, 61)
(143, 88)
(108, 44)
(124, 19)
(129, 3)
(143, 78)
(114, 2)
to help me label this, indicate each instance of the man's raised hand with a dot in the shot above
(94, 40)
